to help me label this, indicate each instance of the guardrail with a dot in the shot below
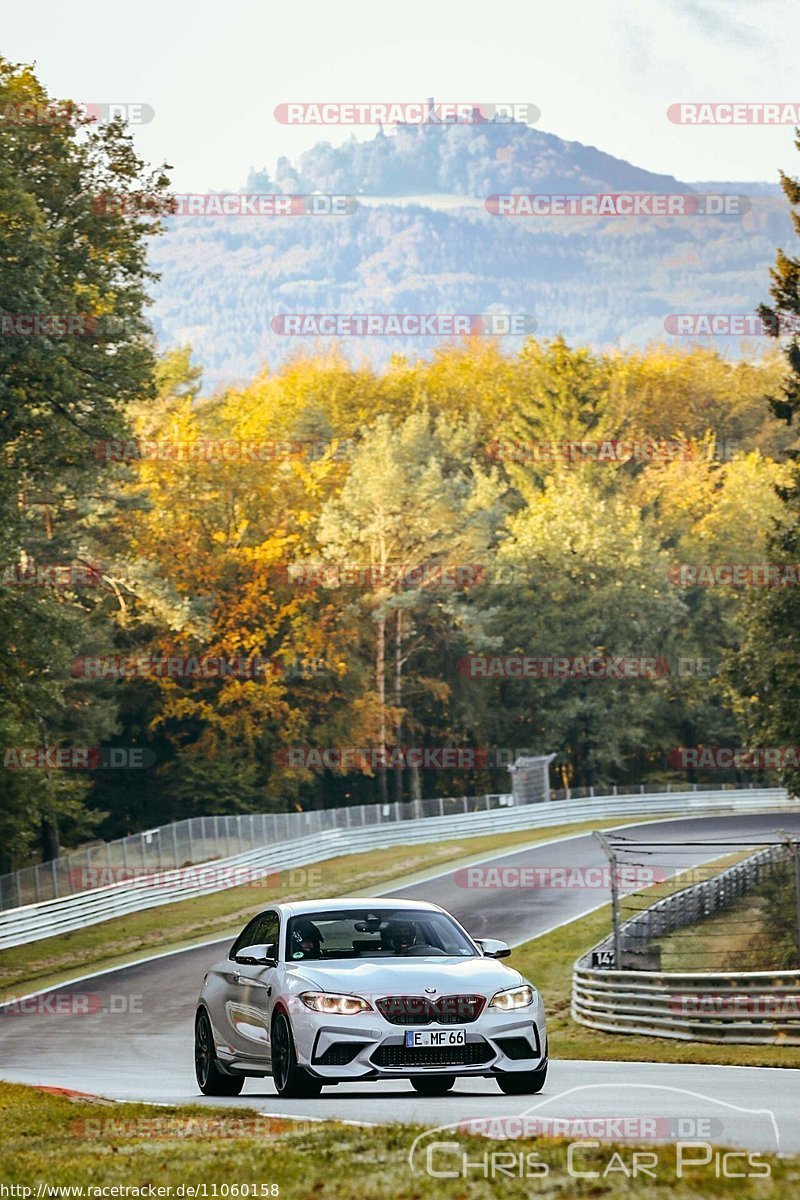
(36, 921)
(750, 1007)
(200, 839)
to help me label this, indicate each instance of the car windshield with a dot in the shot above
(376, 933)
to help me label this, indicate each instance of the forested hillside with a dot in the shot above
(609, 281)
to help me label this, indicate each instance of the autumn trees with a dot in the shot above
(764, 674)
(359, 536)
(364, 534)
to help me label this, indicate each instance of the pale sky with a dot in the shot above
(601, 73)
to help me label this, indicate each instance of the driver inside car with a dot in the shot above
(306, 940)
(401, 936)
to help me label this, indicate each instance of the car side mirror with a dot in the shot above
(492, 948)
(258, 956)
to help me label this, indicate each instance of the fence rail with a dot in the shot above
(33, 922)
(753, 1007)
(201, 839)
(750, 1007)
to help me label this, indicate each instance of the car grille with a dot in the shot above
(473, 1054)
(339, 1054)
(419, 1010)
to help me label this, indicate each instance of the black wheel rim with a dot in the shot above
(280, 1053)
(202, 1051)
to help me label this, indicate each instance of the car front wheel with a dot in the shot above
(210, 1079)
(523, 1083)
(290, 1079)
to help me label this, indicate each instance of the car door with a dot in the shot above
(250, 991)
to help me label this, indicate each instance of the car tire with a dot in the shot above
(291, 1080)
(524, 1083)
(211, 1080)
(433, 1085)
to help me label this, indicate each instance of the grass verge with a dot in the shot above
(737, 940)
(51, 1140)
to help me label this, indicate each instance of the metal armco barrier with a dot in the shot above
(693, 904)
(33, 922)
(199, 839)
(752, 1007)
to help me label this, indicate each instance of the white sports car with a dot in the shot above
(327, 991)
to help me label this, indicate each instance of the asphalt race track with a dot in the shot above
(135, 1040)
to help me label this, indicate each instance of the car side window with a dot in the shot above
(263, 929)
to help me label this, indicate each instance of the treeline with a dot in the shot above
(300, 576)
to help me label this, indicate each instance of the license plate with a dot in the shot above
(436, 1037)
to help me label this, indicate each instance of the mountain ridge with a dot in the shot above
(605, 281)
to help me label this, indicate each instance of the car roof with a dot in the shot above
(299, 907)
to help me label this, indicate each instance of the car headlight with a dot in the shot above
(516, 997)
(335, 1004)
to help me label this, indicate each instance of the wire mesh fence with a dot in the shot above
(204, 839)
(704, 905)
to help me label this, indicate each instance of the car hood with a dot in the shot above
(408, 977)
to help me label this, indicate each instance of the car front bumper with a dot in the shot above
(370, 1047)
